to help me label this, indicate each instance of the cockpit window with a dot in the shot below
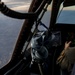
(10, 28)
(67, 15)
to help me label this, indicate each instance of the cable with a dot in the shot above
(11, 13)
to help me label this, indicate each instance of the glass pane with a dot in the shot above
(67, 15)
(10, 28)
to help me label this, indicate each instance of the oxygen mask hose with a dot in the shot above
(14, 14)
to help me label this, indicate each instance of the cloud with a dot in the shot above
(18, 6)
(15, 0)
(69, 8)
(21, 8)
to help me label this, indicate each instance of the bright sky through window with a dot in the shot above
(18, 5)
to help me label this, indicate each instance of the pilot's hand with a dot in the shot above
(67, 44)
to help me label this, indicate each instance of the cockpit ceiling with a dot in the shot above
(69, 3)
